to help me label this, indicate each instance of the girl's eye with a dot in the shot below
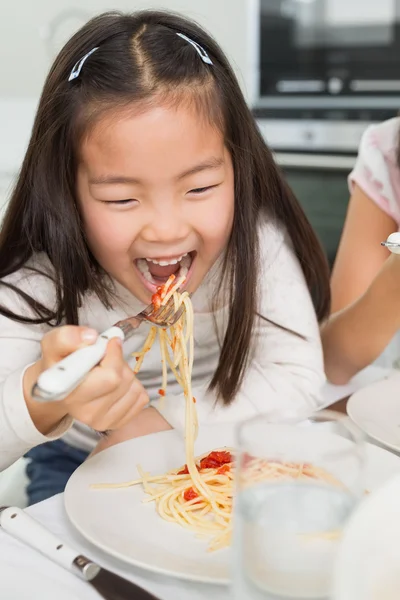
(122, 202)
(201, 190)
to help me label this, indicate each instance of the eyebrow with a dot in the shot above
(211, 163)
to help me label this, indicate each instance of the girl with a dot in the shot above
(144, 161)
(366, 279)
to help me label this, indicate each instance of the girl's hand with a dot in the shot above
(149, 421)
(108, 398)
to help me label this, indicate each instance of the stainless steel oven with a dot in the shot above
(326, 69)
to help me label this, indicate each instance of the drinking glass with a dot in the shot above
(296, 485)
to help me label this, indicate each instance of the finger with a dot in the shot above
(114, 407)
(96, 395)
(140, 405)
(62, 341)
(101, 415)
(123, 411)
(113, 358)
(104, 379)
(102, 387)
(124, 426)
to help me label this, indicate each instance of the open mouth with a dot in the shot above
(155, 272)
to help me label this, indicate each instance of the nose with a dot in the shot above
(166, 227)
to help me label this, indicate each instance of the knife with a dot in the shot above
(109, 585)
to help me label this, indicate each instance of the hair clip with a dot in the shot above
(78, 66)
(199, 49)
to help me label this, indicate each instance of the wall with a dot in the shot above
(31, 33)
(26, 29)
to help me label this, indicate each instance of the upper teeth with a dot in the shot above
(184, 265)
(164, 263)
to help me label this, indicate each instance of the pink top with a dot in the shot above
(376, 171)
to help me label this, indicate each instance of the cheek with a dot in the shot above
(104, 232)
(218, 225)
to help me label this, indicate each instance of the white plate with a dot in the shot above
(121, 525)
(376, 410)
(368, 562)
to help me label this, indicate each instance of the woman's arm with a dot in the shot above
(365, 292)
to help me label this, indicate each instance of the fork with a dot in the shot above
(394, 247)
(62, 378)
(393, 243)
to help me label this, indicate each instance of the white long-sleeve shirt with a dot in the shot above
(285, 373)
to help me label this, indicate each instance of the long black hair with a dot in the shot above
(141, 59)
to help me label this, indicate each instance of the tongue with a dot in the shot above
(161, 272)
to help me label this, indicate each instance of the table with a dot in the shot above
(26, 575)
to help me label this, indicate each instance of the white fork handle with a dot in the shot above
(63, 377)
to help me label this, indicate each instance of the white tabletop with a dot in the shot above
(25, 574)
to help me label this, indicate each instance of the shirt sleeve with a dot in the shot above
(19, 348)
(286, 374)
(375, 170)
